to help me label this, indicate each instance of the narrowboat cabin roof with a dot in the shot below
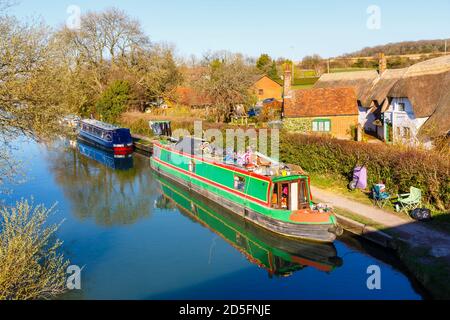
(100, 125)
(198, 147)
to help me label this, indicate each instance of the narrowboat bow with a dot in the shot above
(267, 194)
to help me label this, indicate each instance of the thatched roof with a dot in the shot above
(383, 86)
(425, 84)
(321, 102)
(439, 122)
(361, 81)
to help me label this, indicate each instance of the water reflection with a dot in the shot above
(108, 159)
(98, 191)
(278, 255)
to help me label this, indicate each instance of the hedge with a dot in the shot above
(399, 167)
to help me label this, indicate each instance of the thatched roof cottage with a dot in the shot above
(410, 104)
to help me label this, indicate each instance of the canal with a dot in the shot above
(139, 236)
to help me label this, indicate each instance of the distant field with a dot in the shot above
(304, 86)
(337, 70)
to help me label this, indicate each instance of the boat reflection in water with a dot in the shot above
(109, 159)
(280, 256)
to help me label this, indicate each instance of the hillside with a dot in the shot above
(404, 48)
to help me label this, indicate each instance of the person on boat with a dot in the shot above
(285, 196)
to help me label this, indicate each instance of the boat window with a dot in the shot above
(275, 196)
(303, 197)
(239, 183)
(157, 153)
(286, 195)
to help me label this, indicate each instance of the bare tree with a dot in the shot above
(226, 80)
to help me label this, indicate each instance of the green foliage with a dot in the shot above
(113, 101)
(140, 127)
(398, 168)
(303, 125)
(273, 72)
(264, 62)
(30, 265)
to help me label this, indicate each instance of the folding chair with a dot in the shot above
(380, 198)
(410, 201)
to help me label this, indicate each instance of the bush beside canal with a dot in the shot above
(400, 168)
(31, 266)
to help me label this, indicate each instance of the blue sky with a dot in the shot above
(289, 28)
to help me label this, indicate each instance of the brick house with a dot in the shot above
(265, 88)
(332, 111)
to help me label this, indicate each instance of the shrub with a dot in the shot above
(114, 101)
(30, 265)
(399, 168)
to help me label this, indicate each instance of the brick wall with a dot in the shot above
(341, 126)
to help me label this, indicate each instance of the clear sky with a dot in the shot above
(289, 28)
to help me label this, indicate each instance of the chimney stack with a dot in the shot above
(382, 64)
(287, 81)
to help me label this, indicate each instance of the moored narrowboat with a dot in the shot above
(106, 136)
(266, 193)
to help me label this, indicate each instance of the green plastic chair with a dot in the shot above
(410, 201)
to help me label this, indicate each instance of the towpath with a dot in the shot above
(414, 233)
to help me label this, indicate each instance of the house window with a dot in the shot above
(239, 183)
(406, 133)
(401, 107)
(321, 125)
(261, 92)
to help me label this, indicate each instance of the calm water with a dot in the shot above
(142, 237)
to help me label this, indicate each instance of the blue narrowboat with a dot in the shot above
(106, 136)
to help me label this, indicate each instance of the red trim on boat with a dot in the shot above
(123, 150)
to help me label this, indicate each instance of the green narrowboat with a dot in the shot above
(277, 255)
(267, 194)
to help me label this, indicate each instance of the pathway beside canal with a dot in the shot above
(424, 250)
(413, 232)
